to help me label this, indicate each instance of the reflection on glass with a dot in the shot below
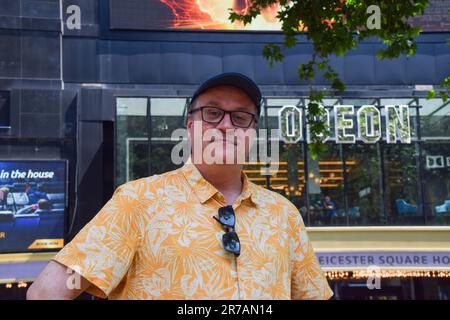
(401, 187)
(367, 171)
(131, 139)
(325, 186)
(138, 160)
(166, 116)
(437, 181)
(288, 180)
(363, 185)
(435, 119)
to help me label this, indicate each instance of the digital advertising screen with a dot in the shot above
(32, 205)
(187, 14)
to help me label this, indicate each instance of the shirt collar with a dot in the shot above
(204, 190)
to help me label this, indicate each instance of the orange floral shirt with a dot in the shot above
(157, 239)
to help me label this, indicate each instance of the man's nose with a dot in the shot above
(225, 123)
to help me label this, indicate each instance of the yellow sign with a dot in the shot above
(47, 244)
(2, 235)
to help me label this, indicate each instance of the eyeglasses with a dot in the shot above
(230, 239)
(241, 119)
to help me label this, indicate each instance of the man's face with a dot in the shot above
(222, 140)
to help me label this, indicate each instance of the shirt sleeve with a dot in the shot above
(103, 250)
(308, 281)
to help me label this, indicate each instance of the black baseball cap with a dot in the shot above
(234, 79)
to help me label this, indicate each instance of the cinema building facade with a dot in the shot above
(106, 95)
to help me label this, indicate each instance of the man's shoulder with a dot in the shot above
(150, 183)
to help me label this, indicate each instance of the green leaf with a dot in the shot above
(338, 85)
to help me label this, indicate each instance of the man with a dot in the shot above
(4, 197)
(329, 208)
(34, 195)
(203, 231)
(42, 205)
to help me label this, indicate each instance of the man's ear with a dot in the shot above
(188, 121)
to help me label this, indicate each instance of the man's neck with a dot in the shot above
(225, 178)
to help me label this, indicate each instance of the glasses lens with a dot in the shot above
(241, 119)
(231, 242)
(211, 114)
(227, 217)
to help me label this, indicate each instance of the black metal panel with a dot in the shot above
(359, 65)
(41, 101)
(264, 74)
(9, 54)
(294, 56)
(36, 114)
(39, 9)
(69, 107)
(177, 62)
(80, 60)
(40, 24)
(421, 68)
(40, 55)
(144, 63)
(90, 166)
(91, 104)
(187, 63)
(10, 8)
(37, 125)
(442, 53)
(390, 71)
(5, 110)
(30, 15)
(206, 54)
(113, 61)
(238, 57)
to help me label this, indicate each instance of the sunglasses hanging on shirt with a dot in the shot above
(230, 239)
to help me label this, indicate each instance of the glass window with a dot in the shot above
(436, 156)
(287, 175)
(272, 117)
(167, 115)
(401, 176)
(279, 103)
(131, 139)
(326, 187)
(435, 119)
(363, 184)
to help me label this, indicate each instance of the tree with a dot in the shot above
(334, 27)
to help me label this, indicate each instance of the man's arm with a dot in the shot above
(56, 283)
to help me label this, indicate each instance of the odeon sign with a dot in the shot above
(367, 128)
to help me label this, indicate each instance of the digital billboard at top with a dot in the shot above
(32, 205)
(187, 14)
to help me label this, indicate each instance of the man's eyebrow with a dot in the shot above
(215, 103)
